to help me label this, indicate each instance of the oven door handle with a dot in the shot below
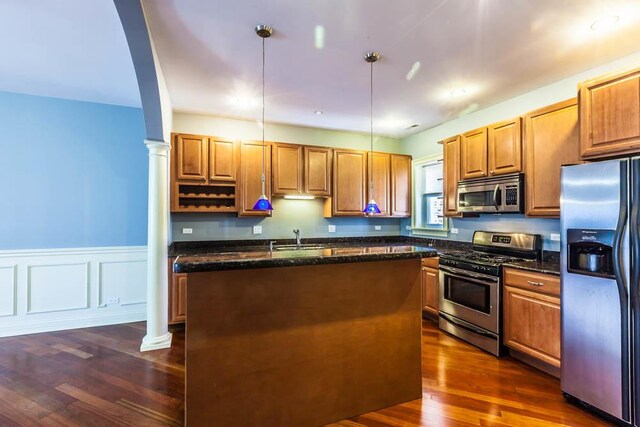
(495, 197)
(468, 275)
(449, 318)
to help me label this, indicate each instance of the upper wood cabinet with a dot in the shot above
(191, 157)
(451, 174)
(251, 174)
(379, 167)
(317, 170)
(505, 147)
(203, 174)
(287, 169)
(299, 170)
(610, 115)
(474, 154)
(349, 183)
(400, 185)
(223, 160)
(532, 315)
(551, 139)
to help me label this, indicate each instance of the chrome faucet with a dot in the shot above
(296, 232)
(271, 242)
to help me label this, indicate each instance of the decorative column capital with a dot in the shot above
(157, 148)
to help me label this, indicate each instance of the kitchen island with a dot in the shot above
(301, 337)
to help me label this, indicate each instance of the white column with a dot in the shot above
(158, 335)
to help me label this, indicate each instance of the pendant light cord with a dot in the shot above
(263, 148)
(371, 133)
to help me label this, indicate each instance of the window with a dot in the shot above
(428, 201)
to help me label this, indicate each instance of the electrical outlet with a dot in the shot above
(377, 227)
(454, 231)
(332, 228)
(187, 231)
(113, 300)
(555, 237)
(407, 227)
(257, 229)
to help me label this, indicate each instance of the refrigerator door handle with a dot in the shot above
(618, 269)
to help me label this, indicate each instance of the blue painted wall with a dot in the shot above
(73, 174)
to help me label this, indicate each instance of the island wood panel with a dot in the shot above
(379, 168)
(287, 169)
(302, 346)
(505, 147)
(610, 115)
(223, 159)
(551, 139)
(317, 171)
(400, 185)
(451, 175)
(349, 183)
(250, 176)
(191, 157)
(474, 154)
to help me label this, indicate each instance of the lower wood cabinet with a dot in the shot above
(177, 295)
(532, 315)
(430, 286)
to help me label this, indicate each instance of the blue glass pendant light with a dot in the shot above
(263, 203)
(372, 207)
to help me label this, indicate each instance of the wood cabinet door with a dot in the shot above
(349, 182)
(610, 115)
(287, 169)
(400, 185)
(178, 298)
(474, 154)
(451, 175)
(551, 139)
(504, 141)
(191, 157)
(430, 285)
(532, 324)
(379, 168)
(223, 160)
(317, 171)
(250, 176)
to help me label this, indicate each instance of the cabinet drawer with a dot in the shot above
(535, 282)
(431, 262)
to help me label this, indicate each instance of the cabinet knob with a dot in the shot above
(491, 172)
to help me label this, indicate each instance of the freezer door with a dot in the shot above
(595, 310)
(634, 283)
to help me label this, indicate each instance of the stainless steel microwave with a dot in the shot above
(500, 194)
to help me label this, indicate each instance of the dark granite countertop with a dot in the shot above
(260, 257)
(243, 254)
(550, 264)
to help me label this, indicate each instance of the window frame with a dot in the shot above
(416, 166)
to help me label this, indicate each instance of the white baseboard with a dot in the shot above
(58, 289)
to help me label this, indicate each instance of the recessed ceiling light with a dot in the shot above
(318, 112)
(243, 101)
(458, 92)
(605, 22)
(411, 126)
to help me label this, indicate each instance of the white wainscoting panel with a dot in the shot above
(8, 290)
(57, 289)
(119, 279)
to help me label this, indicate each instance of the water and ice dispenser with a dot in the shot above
(590, 252)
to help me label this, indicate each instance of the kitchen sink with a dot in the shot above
(297, 248)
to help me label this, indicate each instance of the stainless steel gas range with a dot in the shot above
(471, 286)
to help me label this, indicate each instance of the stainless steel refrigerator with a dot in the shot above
(600, 269)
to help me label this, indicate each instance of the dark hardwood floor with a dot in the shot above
(97, 377)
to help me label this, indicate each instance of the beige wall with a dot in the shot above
(244, 129)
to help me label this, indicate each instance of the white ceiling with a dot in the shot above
(496, 49)
(74, 49)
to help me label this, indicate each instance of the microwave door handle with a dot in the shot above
(495, 197)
